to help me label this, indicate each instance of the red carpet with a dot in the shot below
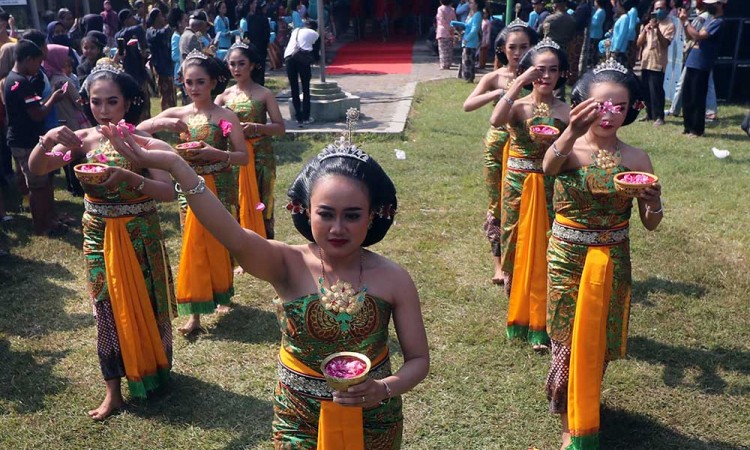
(373, 57)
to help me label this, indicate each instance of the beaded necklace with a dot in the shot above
(341, 296)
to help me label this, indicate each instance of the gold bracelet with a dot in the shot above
(141, 185)
(558, 153)
(387, 393)
(649, 211)
(198, 189)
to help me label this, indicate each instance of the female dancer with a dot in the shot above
(129, 278)
(205, 279)
(342, 201)
(252, 103)
(527, 194)
(511, 44)
(589, 285)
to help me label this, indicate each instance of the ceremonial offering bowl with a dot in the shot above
(344, 369)
(185, 149)
(544, 133)
(91, 173)
(632, 183)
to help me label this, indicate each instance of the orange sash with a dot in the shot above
(527, 309)
(250, 217)
(205, 275)
(339, 427)
(506, 153)
(146, 365)
(589, 345)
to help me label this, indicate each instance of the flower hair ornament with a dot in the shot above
(609, 107)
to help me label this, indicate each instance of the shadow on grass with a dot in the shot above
(289, 152)
(623, 430)
(247, 324)
(193, 402)
(652, 285)
(678, 361)
(24, 381)
(32, 300)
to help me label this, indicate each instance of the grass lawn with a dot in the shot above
(685, 385)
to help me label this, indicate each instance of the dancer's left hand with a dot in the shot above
(367, 394)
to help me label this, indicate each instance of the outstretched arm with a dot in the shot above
(260, 258)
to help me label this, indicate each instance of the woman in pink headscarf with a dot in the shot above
(59, 66)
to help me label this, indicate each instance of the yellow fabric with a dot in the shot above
(250, 217)
(339, 427)
(589, 342)
(137, 332)
(205, 266)
(528, 294)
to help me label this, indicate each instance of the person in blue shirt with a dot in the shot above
(470, 40)
(462, 10)
(698, 65)
(178, 21)
(297, 19)
(222, 26)
(619, 46)
(633, 22)
(596, 28)
(540, 14)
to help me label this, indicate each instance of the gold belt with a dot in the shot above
(208, 169)
(525, 164)
(317, 387)
(119, 209)
(590, 237)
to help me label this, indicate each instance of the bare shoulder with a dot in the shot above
(387, 279)
(635, 158)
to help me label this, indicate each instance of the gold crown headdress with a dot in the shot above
(107, 65)
(344, 146)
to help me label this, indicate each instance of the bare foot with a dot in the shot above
(565, 441)
(239, 270)
(223, 309)
(540, 348)
(111, 404)
(193, 325)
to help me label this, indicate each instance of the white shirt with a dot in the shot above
(302, 38)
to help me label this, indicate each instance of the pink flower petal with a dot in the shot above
(128, 126)
(102, 158)
(15, 86)
(132, 42)
(65, 87)
(260, 206)
(67, 156)
(226, 127)
(90, 154)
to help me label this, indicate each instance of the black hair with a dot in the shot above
(528, 60)
(502, 38)
(26, 49)
(582, 89)
(311, 24)
(97, 38)
(446, 2)
(380, 189)
(215, 68)
(62, 12)
(35, 36)
(255, 58)
(129, 88)
(174, 17)
(4, 16)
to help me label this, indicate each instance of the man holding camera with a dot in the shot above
(654, 41)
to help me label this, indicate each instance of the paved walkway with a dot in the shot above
(385, 99)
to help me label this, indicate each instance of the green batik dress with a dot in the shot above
(587, 196)
(254, 111)
(523, 148)
(311, 333)
(494, 143)
(147, 240)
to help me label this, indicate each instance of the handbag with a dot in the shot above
(302, 57)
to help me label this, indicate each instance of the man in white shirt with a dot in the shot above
(298, 57)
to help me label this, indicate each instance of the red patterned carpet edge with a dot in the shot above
(373, 57)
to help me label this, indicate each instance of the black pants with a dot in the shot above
(296, 72)
(653, 91)
(694, 90)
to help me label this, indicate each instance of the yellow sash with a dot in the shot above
(205, 266)
(250, 217)
(527, 309)
(339, 427)
(140, 343)
(589, 345)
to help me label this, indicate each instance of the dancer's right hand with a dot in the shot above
(583, 116)
(172, 124)
(62, 135)
(132, 147)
